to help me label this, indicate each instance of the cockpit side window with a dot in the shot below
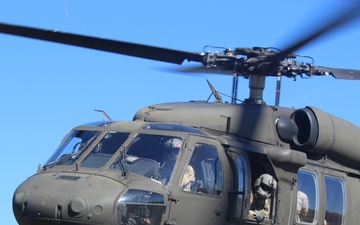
(203, 174)
(307, 197)
(335, 200)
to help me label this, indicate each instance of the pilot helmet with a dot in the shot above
(173, 145)
(265, 186)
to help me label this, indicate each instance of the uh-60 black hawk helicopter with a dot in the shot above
(199, 162)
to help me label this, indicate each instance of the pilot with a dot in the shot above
(105, 146)
(172, 149)
(188, 179)
(264, 187)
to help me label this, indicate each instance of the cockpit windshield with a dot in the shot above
(149, 155)
(104, 149)
(72, 148)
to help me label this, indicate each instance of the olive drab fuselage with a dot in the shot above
(122, 172)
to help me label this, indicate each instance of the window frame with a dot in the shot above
(237, 195)
(341, 181)
(316, 196)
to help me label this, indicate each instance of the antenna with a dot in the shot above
(214, 92)
(102, 111)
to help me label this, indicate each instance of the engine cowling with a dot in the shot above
(311, 129)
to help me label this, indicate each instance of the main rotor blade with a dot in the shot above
(120, 47)
(345, 74)
(203, 70)
(343, 18)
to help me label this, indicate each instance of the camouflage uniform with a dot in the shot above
(302, 207)
(259, 205)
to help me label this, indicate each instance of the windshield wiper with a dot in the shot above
(121, 157)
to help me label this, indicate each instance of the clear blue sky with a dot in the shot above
(46, 89)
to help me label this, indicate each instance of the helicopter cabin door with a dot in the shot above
(198, 189)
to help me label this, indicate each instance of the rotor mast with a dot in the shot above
(256, 85)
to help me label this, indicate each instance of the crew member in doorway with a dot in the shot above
(264, 187)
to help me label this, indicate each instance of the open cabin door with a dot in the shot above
(240, 193)
(197, 188)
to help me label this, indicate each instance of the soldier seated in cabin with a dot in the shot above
(264, 187)
(302, 207)
(188, 179)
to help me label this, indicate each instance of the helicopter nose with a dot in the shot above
(66, 198)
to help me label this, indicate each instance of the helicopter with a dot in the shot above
(85, 182)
